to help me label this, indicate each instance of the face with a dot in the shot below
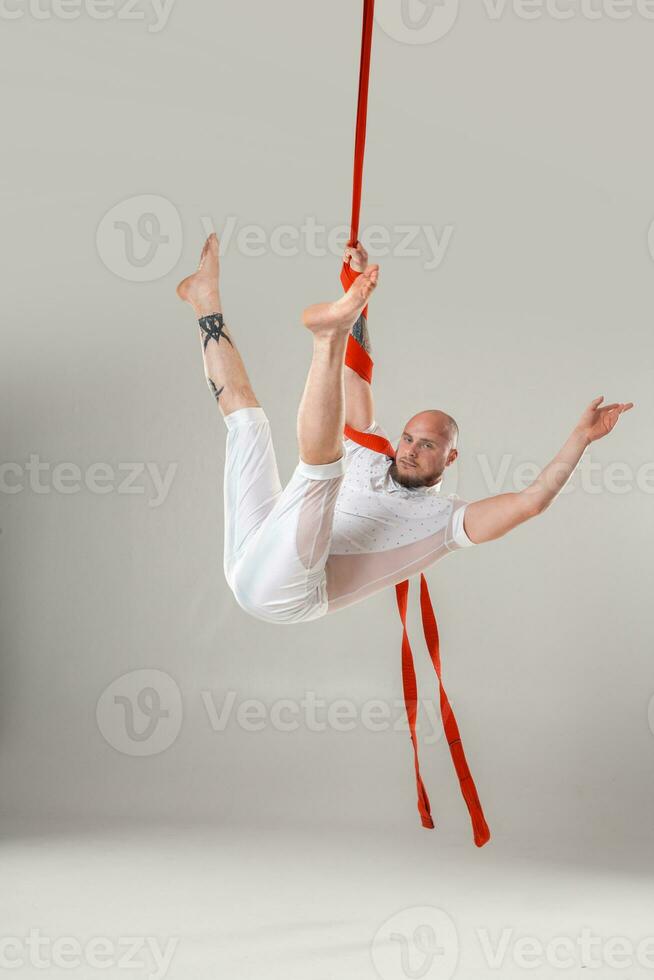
(424, 450)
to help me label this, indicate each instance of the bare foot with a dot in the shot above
(325, 319)
(201, 289)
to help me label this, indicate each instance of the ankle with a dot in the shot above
(235, 396)
(206, 305)
(331, 343)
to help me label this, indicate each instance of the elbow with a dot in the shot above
(533, 506)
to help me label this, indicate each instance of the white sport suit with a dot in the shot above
(334, 535)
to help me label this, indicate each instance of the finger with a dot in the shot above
(597, 401)
(618, 407)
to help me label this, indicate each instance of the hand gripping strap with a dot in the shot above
(348, 277)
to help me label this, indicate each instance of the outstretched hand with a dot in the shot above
(598, 420)
(357, 256)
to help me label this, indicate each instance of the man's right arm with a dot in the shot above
(359, 401)
(486, 520)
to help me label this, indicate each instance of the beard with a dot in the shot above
(411, 479)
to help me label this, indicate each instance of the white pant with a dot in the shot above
(276, 540)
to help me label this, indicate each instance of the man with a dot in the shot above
(349, 522)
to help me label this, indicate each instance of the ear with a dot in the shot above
(452, 457)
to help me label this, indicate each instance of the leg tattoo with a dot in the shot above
(217, 392)
(360, 333)
(213, 328)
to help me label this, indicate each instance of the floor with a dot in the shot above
(306, 904)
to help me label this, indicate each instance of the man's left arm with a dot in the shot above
(486, 520)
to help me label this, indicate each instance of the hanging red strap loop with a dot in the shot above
(360, 361)
(468, 790)
(479, 826)
(411, 703)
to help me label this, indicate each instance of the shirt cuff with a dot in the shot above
(459, 535)
(323, 471)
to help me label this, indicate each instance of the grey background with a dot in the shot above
(533, 140)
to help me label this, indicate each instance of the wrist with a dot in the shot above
(581, 437)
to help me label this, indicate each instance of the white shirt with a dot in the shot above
(375, 513)
(382, 532)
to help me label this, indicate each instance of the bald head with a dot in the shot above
(440, 423)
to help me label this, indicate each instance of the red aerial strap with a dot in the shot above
(362, 115)
(377, 443)
(356, 356)
(347, 273)
(466, 782)
(360, 361)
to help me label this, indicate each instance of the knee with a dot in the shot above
(251, 595)
(262, 599)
